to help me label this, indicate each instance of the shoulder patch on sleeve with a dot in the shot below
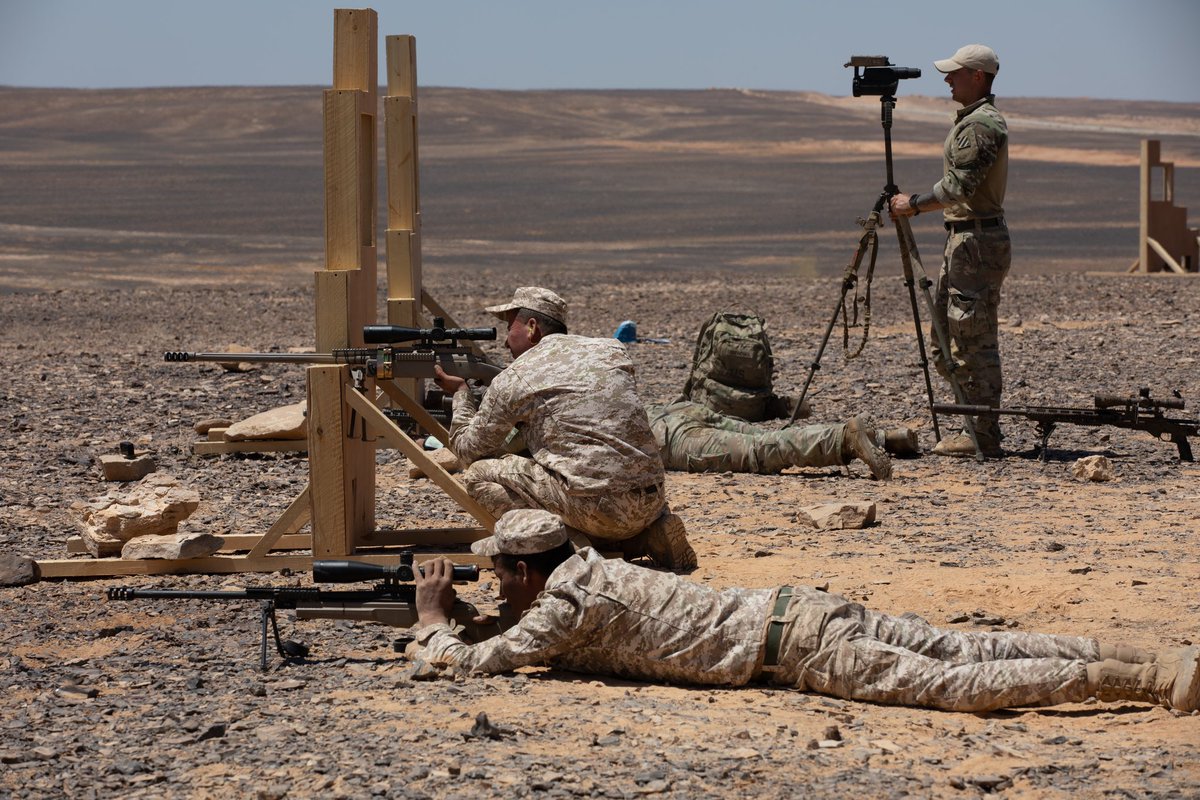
(966, 146)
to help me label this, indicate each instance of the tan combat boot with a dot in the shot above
(858, 441)
(1173, 680)
(900, 442)
(960, 446)
(665, 541)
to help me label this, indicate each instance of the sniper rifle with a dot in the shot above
(438, 346)
(391, 602)
(1140, 413)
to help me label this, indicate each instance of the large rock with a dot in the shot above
(173, 546)
(839, 516)
(155, 506)
(285, 422)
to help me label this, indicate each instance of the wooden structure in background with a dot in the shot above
(345, 421)
(1164, 239)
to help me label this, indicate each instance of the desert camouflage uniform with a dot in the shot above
(975, 261)
(694, 438)
(593, 458)
(608, 617)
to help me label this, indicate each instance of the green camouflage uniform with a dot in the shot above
(593, 460)
(694, 438)
(976, 260)
(608, 617)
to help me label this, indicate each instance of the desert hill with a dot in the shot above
(200, 183)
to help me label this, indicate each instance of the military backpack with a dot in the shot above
(732, 367)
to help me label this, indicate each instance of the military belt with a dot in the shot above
(974, 224)
(775, 628)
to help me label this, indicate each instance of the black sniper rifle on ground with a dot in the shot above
(1141, 413)
(391, 602)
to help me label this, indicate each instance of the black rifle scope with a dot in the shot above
(355, 571)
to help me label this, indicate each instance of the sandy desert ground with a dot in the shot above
(137, 222)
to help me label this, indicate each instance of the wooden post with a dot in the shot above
(341, 464)
(403, 236)
(345, 302)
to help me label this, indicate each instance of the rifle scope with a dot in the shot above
(391, 334)
(355, 571)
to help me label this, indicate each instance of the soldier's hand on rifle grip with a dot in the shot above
(447, 383)
(435, 593)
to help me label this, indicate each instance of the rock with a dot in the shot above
(172, 546)
(17, 570)
(155, 506)
(838, 516)
(205, 425)
(117, 467)
(1093, 468)
(285, 422)
(443, 457)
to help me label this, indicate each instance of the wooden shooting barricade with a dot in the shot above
(1164, 239)
(345, 420)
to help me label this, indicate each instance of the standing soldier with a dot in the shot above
(978, 251)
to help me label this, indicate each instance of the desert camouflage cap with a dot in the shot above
(536, 299)
(971, 56)
(522, 532)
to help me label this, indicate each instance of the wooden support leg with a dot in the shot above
(341, 463)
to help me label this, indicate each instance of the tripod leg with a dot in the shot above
(910, 258)
(849, 279)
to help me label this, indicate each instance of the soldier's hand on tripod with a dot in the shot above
(898, 206)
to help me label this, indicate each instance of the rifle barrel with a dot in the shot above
(264, 358)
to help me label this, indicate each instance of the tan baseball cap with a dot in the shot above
(971, 56)
(536, 299)
(522, 532)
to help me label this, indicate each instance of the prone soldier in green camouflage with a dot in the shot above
(592, 458)
(694, 438)
(588, 614)
(978, 251)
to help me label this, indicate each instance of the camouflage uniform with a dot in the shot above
(609, 617)
(593, 458)
(694, 438)
(976, 258)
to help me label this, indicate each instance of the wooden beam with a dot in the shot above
(297, 515)
(386, 429)
(218, 565)
(204, 448)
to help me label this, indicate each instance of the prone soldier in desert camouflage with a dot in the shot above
(583, 613)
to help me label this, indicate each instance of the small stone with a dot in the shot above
(205, 425)
(1093, 468)
(838, 516)
(17, 570)
(117, 467)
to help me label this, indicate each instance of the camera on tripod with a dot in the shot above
(875, 75)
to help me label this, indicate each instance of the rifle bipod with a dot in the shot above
(910, 260)
(287, 649)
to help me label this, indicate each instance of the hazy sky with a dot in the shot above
(1148, 49)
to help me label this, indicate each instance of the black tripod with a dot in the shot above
(910, 259)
